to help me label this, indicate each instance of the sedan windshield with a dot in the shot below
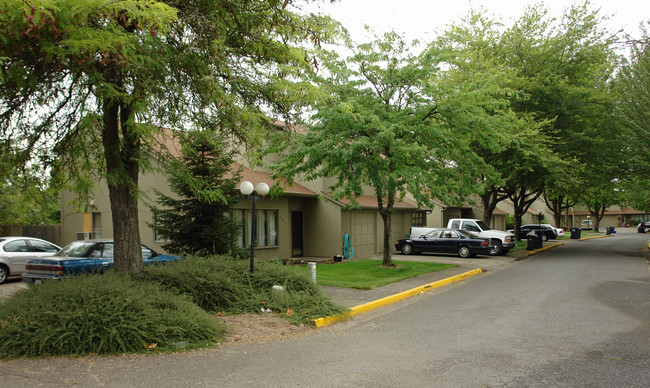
(75, 249)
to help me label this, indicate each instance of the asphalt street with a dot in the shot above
(574, 316)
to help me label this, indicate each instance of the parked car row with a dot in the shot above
(37, 260)
(16, 251)
(500, 241)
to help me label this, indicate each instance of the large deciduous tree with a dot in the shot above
(123, 68)
(508, 141)
(633, 111)
(563, 68)
(390, 124)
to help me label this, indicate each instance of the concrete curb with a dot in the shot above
(534, 251)
(593, 237)
(320, 322)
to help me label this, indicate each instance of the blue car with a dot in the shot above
(84, 256)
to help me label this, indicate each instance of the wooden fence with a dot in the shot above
(51, 233)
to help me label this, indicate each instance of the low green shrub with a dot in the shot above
(213, 283)
(220, 284)
(101, 314)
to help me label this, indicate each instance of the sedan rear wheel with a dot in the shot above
(464, 252)
(544, 237)
(407, 249)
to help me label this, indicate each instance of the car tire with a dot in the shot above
(407, 249)
(544, 237)
(464, 252)
(4, 273)
(496, 249)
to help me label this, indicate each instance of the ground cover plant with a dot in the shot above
(101, 314)
(166, 308)
(221, 284)
(368, 274)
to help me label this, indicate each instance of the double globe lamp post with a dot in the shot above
(254, 194)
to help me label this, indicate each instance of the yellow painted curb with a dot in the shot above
(534, 251)
(593, 237)
(320, 322)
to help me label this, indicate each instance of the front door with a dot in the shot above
(296, 235)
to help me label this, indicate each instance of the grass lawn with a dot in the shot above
(367, 274)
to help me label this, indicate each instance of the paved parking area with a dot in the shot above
(11, 286)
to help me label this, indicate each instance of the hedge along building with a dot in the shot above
(301, 223)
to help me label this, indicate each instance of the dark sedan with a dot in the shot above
(84, 256)
(463, 243)
(546, 232)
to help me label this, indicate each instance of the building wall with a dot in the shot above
(322, 233)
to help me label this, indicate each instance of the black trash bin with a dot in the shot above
(531, 241)
(575, 233)
(641, 228)
(610, 230)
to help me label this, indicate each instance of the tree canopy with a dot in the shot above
(394, 126)
(124, 68)
(633, 112)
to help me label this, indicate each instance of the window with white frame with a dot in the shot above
(267, 227)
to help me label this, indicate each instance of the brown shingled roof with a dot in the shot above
(368, 201)
(256, 177)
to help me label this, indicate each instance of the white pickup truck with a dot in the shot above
(502, 241)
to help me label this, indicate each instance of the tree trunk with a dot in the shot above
(521, 202)
(598, 212)
(386, 213)
(122, 171)
(489, 204)
(490, 198)
(557, 205)
(517, 223)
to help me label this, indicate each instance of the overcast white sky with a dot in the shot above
(420, 19)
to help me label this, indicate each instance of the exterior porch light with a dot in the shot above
(257, 194)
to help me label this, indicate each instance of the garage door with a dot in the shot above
(363, 235)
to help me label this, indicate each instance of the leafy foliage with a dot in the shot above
(26, 200)
(219, 284)
(633, 111)
(388, 128)
(196, 220)
(101, 314)
(165, 308)
(511, 146)
(125, 68)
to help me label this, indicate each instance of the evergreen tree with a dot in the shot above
(197, 219)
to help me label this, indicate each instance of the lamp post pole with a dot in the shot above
(254, 195)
